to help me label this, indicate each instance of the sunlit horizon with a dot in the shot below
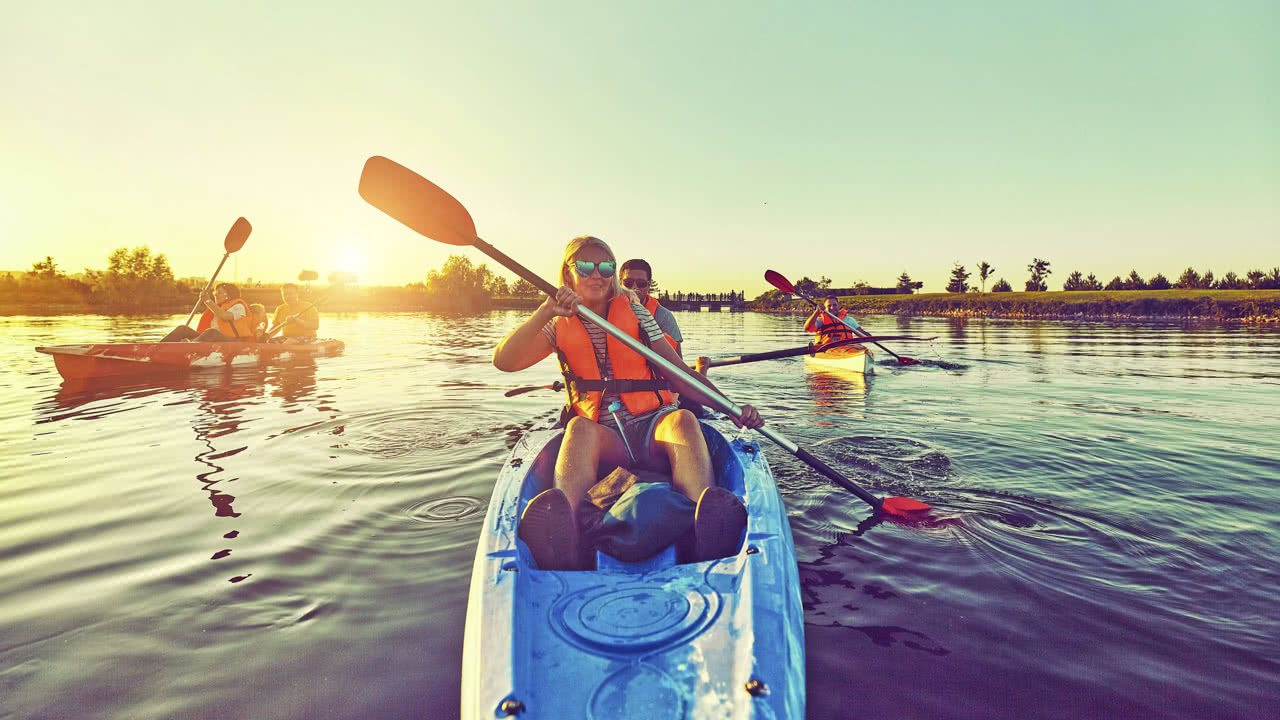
(854, 142)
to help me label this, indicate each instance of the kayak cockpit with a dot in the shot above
(729, 475)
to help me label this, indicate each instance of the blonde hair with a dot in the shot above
(567, 272)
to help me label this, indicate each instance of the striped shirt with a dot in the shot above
(599, 341)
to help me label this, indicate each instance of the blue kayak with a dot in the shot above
(654, 639)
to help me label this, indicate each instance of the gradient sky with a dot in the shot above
(854, 140)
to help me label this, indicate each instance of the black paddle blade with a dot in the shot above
(237, 235)
(416, 201)
(777, 280)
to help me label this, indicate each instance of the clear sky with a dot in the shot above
(849, 139)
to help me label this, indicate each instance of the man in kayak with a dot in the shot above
(300, 329)
(826, 321)
(637, 276)
(229, 315)
(648, 432)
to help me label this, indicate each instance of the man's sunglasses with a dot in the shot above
(586, 267)
(635, 283)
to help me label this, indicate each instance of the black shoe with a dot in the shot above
(546, 526)
(718, 523)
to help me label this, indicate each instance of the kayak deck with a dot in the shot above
(720, 638)
(853, 358)
(95, 360)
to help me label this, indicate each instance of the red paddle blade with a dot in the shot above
(902, 506)
(777, 280)
(416, 201)
(908, 361)
(237, 235)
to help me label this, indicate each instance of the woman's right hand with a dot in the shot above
(564, 304)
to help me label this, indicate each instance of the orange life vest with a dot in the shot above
(206, 321)
(652, 306)
(838, 332)
(634, 380)
(242, 328)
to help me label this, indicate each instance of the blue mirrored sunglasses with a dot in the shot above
(586, 267)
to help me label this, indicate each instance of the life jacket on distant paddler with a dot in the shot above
(242, 327)
(633, 379)
(833, 332)
(652, 306)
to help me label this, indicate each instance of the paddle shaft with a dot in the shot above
(280, 327)
(806, 350)
(715, 399)
(557, 386)
(200, 300)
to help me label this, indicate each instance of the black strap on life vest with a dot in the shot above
(574, 385)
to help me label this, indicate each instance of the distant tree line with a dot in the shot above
(1190, 279)
(134, 281)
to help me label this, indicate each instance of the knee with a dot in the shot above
(579, 427)
(684, 424)
(686, 420)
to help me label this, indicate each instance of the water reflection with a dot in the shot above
(221, 399)
(837, 394)
(220, 415)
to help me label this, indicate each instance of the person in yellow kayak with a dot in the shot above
(647, 431)
(296, 329)
(826, 322)
(229, 318)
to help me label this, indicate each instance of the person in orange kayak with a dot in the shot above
(826, 322)
(648, 432)
(258, 316)
(228, 318)
(300, 329)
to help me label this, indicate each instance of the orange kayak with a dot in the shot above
(79, 362)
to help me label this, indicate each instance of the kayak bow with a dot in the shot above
(716, 639)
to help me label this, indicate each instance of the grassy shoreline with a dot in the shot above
(1229, 305)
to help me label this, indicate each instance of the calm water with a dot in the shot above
(297, 541)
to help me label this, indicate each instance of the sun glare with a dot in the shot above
(350, 258)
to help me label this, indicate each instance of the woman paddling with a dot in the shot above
(599, 370)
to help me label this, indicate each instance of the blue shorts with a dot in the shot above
(641, 447)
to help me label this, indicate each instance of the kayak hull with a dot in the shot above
(850, 358)
(87, 361)
(717, 639)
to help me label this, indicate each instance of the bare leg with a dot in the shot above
(180, 334)
(677, 439)
(587, 446)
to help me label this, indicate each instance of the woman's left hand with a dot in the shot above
(750, 418)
